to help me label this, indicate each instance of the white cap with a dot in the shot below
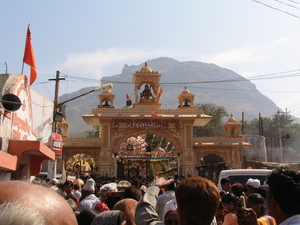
(55, 181)
(253, 182)
(89, 185)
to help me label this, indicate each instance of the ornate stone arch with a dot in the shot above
(210, 166)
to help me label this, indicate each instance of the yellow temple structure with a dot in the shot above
(143, 135)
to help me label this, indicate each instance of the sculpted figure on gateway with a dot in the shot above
(146, 94)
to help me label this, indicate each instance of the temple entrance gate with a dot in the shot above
(122, 127)
(145, 116)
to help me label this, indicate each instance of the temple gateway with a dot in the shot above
(143, 139)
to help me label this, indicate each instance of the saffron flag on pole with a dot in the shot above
(29, 57)
(160, 92)
(127, 97)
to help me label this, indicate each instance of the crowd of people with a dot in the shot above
(192, 200)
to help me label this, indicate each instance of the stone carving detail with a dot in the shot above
(104, 157)
(189, 157)
(120, 135)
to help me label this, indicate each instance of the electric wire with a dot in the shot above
(41, 105)
(287, 4)
(284, 74)
(276, 9)
(66, 91)
(294, 1)
(47, 90)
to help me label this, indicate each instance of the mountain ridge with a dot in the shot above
(209, 82)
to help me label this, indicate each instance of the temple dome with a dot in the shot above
(232, 120)
(186, 91)
(146, 69)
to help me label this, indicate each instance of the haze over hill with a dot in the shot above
(209, 82)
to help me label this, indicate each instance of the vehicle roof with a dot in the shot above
(245, 171)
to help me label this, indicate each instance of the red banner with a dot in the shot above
(56, 144)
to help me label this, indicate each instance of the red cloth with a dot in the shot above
(101, 207)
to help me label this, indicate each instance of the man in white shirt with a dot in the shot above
(162, 199)
(89, 200)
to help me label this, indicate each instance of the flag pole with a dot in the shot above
(24, 50)
(22, 68)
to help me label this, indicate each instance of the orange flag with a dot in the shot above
(127, 97)
(160, 91)
(29, 57)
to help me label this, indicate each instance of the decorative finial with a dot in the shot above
(146, 64)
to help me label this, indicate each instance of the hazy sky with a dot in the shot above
(91, 39)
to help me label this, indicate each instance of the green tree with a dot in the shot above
(293, 141)
(164, 166)
(214, 127)
(151, 170)
(280, 125)
(94, 132)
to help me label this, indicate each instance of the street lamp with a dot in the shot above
(57, 117)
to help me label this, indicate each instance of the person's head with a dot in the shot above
(113, 217)
(257, 203)
(26, 203)
(222, 194)
(220, 210)
(76, 187)
(54, 181)
(171, 186)
(88, 188)
(251, 186)
(128, 207)
(86, 216)
(283, 194)
(132, 192)
(237, 189)
(171, 217)
(262, 190)
(112, 200)
(225, 184)
(136, 183)
(68, 187)
(197, 200)
(147, 184)
(230, 202)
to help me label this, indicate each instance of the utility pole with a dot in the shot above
(56, 93)
(52, 165)
(281, 136)
(243, 131)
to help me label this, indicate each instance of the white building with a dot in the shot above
(23, 132)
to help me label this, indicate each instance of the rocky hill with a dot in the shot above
(202, 79)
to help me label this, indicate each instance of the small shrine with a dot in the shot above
(232, 127)
(186, 99)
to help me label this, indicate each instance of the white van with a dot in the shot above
(242, 175)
